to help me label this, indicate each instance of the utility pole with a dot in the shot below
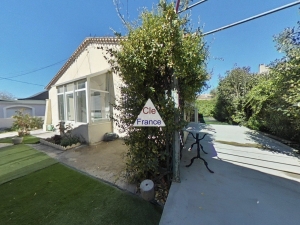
(176, 138)
(176, 143)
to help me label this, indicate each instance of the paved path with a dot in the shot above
(249, 186)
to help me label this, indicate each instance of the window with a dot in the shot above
(61, 107)
(72, 102)
(70, 107)
(100, 108)
(80, 97)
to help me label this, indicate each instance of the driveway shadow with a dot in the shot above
(271, 145)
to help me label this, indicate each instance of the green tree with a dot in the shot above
(150, 56)
(206, 107)
(231, 92)
(274, 99)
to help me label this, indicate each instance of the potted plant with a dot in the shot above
(18, 139)
(22, 123)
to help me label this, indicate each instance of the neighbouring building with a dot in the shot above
(262, 68)
(205, 97)
(34, 106)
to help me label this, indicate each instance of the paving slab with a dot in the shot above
(248, 186)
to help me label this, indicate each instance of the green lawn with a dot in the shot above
(19, 160)
(28, 139)
(59, 195)
(211, 120)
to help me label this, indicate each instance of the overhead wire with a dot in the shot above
(32, 71)
(252, 18)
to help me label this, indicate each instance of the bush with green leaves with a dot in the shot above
(152, 53)
(206, 107)
(231, 93)
(67, 138)
(274, 99)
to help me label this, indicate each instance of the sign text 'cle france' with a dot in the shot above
(149, 117)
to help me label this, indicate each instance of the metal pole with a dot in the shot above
(176, 138)
(176, 144)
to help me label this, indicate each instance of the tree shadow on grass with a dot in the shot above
(268, 144)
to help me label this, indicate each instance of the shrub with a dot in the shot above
(23, 122)
(206, 107)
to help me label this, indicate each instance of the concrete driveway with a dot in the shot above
(249, 186)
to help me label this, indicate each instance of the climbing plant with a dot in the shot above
(160, 47)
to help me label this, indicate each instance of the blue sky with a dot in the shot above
(40, 33)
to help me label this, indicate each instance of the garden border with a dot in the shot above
(44, 142)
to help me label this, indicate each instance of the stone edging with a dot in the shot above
(42, 141)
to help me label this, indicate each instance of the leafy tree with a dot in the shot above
(274, 100)
(162, 47)
(6, 96)
(231, 92)
(206, 107)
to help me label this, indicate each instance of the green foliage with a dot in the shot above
(66, 137)
(206, 107)
(230, 96)
(28, 139)
(269, 101)
(69, 140)
(36, 122)
(273, 100)
(149, 58)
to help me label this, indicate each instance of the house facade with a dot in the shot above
(34, 106)
(82, 91)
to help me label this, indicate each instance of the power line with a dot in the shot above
(189, 7)
(24, 82)
(33, 71)
(253, 17)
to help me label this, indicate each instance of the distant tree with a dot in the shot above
(6, 95)
(274, 100)
(288, 41)
(231, 92)
(213, 92)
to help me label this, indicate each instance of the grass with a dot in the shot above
(28, 139)
(211, 120)
(20, 160)
(59, 195)
(249, 145)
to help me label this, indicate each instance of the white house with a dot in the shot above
(82, 90)
(34, 106)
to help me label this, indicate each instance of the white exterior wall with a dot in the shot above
(36, 108)
(117, 94)
(90, 62)
(263, 68)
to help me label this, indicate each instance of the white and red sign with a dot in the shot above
(149, 117)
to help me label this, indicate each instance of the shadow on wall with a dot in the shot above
(82, 132)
